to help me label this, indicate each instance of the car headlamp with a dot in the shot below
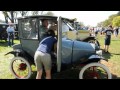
(99, 52)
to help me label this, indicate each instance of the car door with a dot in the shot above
(28, 30)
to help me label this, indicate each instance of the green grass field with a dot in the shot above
(113, 63)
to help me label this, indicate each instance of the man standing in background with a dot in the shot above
(10, 31)
(108, 34)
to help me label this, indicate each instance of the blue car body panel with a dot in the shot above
(74, 51)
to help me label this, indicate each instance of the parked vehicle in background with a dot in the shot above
(83, 34)
(3, 32)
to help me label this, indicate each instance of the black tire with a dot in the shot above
(23, 65)
(96, 74)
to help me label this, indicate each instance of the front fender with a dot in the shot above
(93, 57)
(88, 38)
(16, 52)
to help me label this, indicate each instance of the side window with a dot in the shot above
(29, 29)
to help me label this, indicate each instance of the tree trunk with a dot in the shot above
(12, 17)
(6, 19)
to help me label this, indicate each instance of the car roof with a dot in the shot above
(37, 16)
(44, 17)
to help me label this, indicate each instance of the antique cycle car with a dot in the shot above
(70, 52)
(87, 37)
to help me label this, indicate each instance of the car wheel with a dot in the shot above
(95, 71)
(20, 68)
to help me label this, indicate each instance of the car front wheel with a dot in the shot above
(95, 71)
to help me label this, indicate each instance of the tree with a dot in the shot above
(118, 14)
(49, 13)
(37, 12)
(15, 16)
(109, 20)
(116, 21)
(81, 24)
(100, 24)
(106, 23)
(23, 13)
(8, 15)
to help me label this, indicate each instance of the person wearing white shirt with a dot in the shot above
(10, 31)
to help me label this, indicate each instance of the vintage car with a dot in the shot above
(70, 52)
(84, 34)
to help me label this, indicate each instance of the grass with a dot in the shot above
(114, 56)
(113, 61)
(5, 60)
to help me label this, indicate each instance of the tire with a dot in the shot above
(109, 76)
(22, 66)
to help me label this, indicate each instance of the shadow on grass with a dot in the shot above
(116, 40)
(107, 55)
(68, 74)
(115, 76)
(4, 44)
(115, 53)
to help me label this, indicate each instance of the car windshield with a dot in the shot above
(69, 25)
(68, 31)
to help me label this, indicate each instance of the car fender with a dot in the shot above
(16, 52)
(95, 56)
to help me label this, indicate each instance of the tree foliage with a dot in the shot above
(118, 14)
(23, 13)
(9, 15)
(37, 12)
(116, 21)
(12, 15)
(49, 13)
(108, 21)
(100, 24)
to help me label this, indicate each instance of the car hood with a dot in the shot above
(82, 50)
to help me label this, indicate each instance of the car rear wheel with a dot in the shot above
(95, 71)
(20, 68)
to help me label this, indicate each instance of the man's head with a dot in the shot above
(110, 26)
(45, 22)
(50, 33)
(11, 24)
